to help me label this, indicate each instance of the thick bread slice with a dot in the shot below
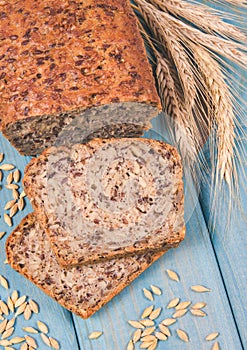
(82, 290)
(61, 58)
(108, 198)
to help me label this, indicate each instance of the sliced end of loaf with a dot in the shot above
(82, 290)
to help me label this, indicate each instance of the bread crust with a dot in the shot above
(58, 59)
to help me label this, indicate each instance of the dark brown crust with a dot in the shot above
(166, 241)
(67, 56)
(84, 313)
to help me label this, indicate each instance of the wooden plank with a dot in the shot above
(57, 318)
(231, 245)
(231, 250)
(195, 263)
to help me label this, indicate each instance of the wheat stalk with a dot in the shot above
(188, 61)
(183, 132)
(222, 109)
(176, 51)
(200, 16)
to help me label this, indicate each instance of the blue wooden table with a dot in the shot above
(216, 261)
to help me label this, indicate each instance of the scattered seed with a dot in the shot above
(200, 289)
(148, 331)
(34, 306)
(148, 294)
(21, 309)
(212, 336)
(1, 157)
(155, 313)
(7, 167)
(95, 335)
(14, 296)
(147, 311)
(183, 305)
(3, 326)
(153, 346)
(10, 323)
(30, 330)
(23, 194)
(16, 175)
(199, 305)
(173, 275)
(54, 343)
(9, 204)
(17, 340)
(19, 301)
(9, 178)
(182, 335)
(24, 346)
(12, 186)
(45, 339)
(42, 327)
(15, 194)
(147, 323)
(8, 333)
(130, 345)
(161, 336)
(21, 204)
(164, 329)
(10, 304)
(198, 313)
(2, 234)
(27, 312)
(30, 341)
(156, 290)
(136, 324)
(179, 313)
(7, 219)
(174, 302)
(4, 282)
(146, 345)
(4, 308)
(148, 338)
(5, 342)
(216, 346)
(13, 210)
(168, 321)
(136, 335)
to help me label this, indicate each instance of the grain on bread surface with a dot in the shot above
(108, 198)
(59, 58)
(82, 290)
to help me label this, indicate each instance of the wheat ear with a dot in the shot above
(202, 17)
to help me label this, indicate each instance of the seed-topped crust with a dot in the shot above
(61, 58)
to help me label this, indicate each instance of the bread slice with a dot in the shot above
(60, 59)
(108, 198)
(82, 290)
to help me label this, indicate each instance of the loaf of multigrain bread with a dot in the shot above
(79, 65)
(83, 289)
(107, 198)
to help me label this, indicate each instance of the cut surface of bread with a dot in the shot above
(61, 58)
(82, 289)
(108, 198)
